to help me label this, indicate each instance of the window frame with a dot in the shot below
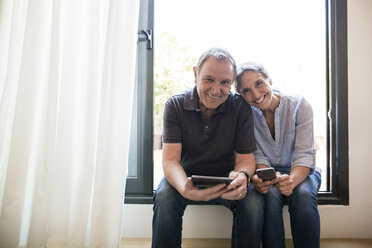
(139, 189)
(337, 78)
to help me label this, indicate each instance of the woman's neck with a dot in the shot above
(275, 101)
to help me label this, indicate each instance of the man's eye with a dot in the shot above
(225, 82)
(209, 79)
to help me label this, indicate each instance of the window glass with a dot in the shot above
(288, 37)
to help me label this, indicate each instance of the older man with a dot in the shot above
(208, 131)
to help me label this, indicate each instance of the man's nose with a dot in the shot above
(216, 88)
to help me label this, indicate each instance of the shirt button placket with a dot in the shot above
(206, 127)
(277, 155)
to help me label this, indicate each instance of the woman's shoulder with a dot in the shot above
(294, 101)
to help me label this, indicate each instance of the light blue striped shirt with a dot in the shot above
(294, 135)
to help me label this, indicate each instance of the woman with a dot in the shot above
(284, 137)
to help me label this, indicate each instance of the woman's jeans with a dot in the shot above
(304, 215)
(169, 207)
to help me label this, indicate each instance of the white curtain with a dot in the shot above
(66, 85)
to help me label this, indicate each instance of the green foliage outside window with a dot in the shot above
(173, 73)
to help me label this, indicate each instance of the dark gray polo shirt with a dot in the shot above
(208, 147)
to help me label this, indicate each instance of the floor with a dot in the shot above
(224, 243)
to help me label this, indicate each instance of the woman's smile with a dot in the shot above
(260, 100)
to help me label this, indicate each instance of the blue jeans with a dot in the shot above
(304, 215)
(169, 207)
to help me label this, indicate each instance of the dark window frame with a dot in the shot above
(338, 132)
(139, 189)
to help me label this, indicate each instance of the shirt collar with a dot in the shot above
(191, 101)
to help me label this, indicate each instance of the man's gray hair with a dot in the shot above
(249, 66)
(218, 53)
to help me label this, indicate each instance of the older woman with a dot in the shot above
(284, 137)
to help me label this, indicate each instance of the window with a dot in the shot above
(139, 182)
(333, 111)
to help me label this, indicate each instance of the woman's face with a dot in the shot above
(256, 89)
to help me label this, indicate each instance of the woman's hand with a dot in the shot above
(284, 183)
(260, 185)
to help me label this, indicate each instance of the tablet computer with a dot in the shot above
(208, 181)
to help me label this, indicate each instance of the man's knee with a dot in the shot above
(165, 197)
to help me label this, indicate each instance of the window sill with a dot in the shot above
(324, 198)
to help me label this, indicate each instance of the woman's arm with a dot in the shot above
(304, 152)
(260, 185)
(286, 183)
(303, 160)
(298, 175)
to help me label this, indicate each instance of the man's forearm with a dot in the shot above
(175, 174)
(245, 162)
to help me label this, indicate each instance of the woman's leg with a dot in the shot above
(303, 209)
(273, 232)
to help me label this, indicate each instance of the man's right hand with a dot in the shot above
(193, 193)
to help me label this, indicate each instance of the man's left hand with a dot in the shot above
(237, 189)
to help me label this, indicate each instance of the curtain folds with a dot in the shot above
(66, 85)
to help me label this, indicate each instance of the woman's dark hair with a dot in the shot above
(249, 66)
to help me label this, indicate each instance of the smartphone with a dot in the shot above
(266, 174)
(208, 181)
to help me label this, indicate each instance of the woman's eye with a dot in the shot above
(244, 91)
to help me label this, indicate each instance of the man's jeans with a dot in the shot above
(304, 215)
(169, 207)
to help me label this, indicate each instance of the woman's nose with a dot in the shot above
(254, 93)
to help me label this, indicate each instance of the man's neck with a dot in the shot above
(207, 113)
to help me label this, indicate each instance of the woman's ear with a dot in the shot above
(271, 81)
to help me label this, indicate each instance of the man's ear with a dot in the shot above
(195, 74)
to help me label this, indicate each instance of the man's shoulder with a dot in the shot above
(181, 96)
(239, 103)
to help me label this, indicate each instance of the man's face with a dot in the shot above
(214, 82)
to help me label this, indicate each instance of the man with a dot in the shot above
(208, 131)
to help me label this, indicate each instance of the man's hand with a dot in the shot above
(284, 183)
(260, 185)
(237, 189)
(193, 193)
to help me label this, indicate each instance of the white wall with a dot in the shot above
(353, 221)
